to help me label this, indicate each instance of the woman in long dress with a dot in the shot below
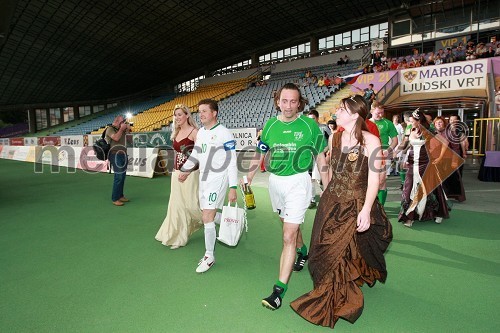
(183, 212)
(351, 230)
(432, 206)
(453, 185)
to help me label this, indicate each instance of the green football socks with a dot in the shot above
(282, 285)
(302, 250)
(382, 196)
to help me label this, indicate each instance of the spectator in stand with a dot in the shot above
(314, 80)
(394, 65)
(430, 59)
(459, 52)
(497, 52)
(480, 50)
(383, 58)
(470, 53)
(441, 53)
(448, 57)
(438, 60)
(489, 52)
(340, 62)
(403, 64)
(420, 62)
(385, 66)
(327, 81)
(343, 83)
(337, 80)
(415, 54)
(377, 68)
(321, 81)
(377, 58)
(346, 59)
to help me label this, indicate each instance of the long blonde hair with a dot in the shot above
(190, 120)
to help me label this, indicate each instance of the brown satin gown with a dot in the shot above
(341, 259)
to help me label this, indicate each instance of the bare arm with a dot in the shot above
(328, 158)
(322, 166)
(122, 130)
(374, 169)
(391, 149)
(254, 165)
(465, 146)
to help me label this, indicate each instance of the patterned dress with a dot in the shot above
(341, 260)
(434, 204)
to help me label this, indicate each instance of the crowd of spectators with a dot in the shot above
(330, 81)
(380, 62)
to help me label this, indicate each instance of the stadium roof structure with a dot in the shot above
(81, 50)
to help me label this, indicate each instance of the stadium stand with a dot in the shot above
(252, 107)
(161, 115)
(106, 119)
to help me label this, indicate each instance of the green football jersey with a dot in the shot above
(387, 130)
(292, 145)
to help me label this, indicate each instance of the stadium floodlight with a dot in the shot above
(128, 115)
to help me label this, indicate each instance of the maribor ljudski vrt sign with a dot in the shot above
(445, 77)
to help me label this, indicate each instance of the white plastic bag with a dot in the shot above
(232, 223)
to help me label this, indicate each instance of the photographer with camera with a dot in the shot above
(118, 159)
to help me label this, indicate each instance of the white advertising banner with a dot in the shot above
(470, 74)
(31, 141)
(72, 140)
(8, 152)
(245, 138)
(4, 142)
(141, 161)
(89, 162)
(21, 153)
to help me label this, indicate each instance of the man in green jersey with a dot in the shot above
(290, 142)
(389, 141)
